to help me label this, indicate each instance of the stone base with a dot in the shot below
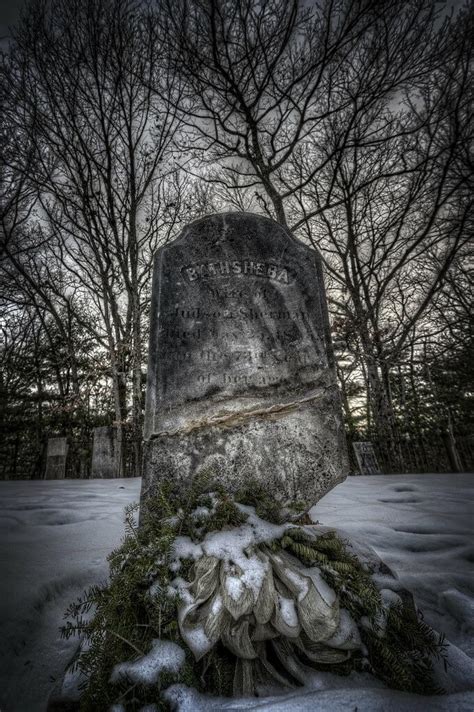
(291, 453)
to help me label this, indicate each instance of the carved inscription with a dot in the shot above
(241, 313)
(238, 336)
(250, 268)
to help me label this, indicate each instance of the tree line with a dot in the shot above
(348, 121)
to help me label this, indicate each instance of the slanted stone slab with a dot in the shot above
(241, 376)
(56, 456)
(104, 452)
(366, 458)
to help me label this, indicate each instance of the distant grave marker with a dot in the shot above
(366, 458)
(56, 456)
(104, 452)
(241, 376)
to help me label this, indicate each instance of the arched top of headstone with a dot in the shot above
(241, 226)
(242, 243)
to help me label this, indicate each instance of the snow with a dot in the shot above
(196, 638)
(338, 700)
(461, 608)
(422, 527)
(299, 582)
(201, 512)
(232, 546)
(54, 540)
(185, 548)
(390, 598)
(164, 656)
(234, 585)
(288, 611)
(347, 635)
(323, 588)
(55, 537)
(216, 606)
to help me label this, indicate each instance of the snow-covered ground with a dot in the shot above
(55, 536)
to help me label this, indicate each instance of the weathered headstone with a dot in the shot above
(104, 452)
(56, 455)
(366, 458)
(241, 375)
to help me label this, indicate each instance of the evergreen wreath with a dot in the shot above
(317, 607)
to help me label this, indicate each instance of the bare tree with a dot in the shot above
(85, 77)
(264, 78)
(16, 193)
(349, 122)
(402, 212)
(345, 121)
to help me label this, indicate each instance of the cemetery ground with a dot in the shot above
(55, 537)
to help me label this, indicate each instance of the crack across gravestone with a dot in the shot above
(241, 417)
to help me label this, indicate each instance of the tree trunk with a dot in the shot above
(137, 419)
(118, 391)
(451, 448)
(382, 413)
(345, 402)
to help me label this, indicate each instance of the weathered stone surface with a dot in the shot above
(104, 452)
(241, 373)
(56, 456)
(366, 458)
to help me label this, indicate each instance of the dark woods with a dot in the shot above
(349, 122)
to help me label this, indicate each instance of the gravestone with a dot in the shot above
(366, 458)
(241, 378)
(104, 452)
(56, 455)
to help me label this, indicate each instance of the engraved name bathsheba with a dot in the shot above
(223, 268)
